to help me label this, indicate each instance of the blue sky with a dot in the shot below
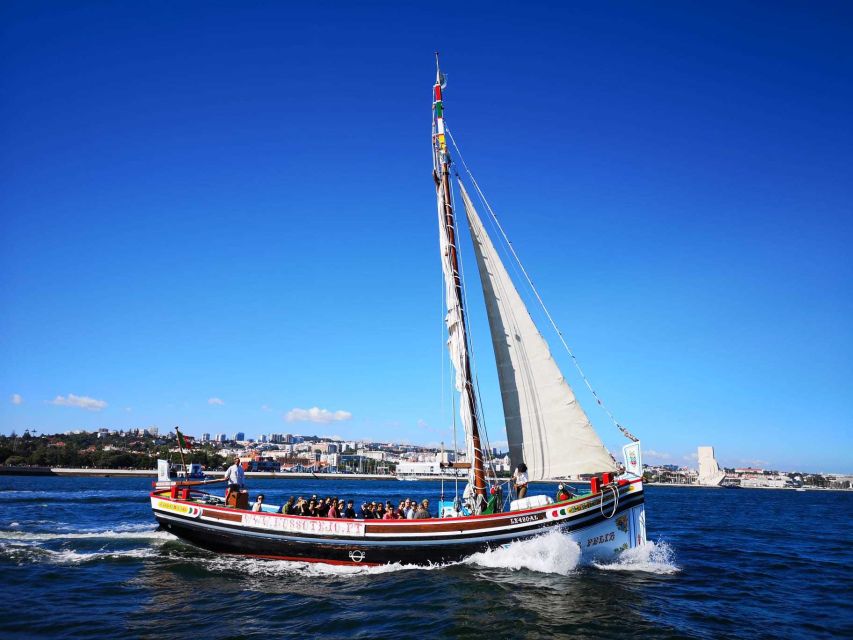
(233, 201)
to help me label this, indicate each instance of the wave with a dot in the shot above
(128, 532)
(652, 557)
(75, 557)
(263, 567)
(549, 553)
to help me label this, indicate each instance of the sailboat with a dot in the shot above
(547, 430)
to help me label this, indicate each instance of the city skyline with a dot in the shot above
(208, 224)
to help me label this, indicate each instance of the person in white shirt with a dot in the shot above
(235, 478)
(520, 480)
(259, 501)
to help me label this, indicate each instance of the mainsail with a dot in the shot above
(546, 427)
(457, 343)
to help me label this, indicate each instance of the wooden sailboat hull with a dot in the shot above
(602, 524)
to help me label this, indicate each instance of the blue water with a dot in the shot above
(80, 558)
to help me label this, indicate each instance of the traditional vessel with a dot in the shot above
(546, 429)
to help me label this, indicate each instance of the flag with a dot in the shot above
(184, 441)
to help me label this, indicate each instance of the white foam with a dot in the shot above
(128, 532)
(75, 557)
(263, 567)
(652, 557)
(549, 553)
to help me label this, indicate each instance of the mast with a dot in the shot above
(457, 325)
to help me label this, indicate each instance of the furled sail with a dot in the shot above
(546, 427)
(456, 341)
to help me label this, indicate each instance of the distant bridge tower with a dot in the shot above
(710, 474)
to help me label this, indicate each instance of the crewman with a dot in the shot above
(520, 480)
(235, 478)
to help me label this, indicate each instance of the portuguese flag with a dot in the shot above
(184, 441)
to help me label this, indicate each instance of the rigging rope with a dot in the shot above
(485, 202)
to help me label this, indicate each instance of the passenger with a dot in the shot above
(365, 511)
(389, 512)
(563, 493)
(410, 509)
(289, 507)
(333, 510)
(349, 512)
(380, 511)
(259, 501)
(401, 514)
(323, 507)
(235, 478)
(301, 507)
(520, 480)
(312, 508)
(423, 510)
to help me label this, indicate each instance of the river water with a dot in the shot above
(81, 558)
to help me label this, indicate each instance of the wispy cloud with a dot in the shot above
(651, 454)
(17, 399)
(753, 462)
(691, 456)
(83, 402)
(265, 407)
(216, 401)
(316, 414)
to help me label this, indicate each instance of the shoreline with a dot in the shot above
(145, 473)
(60, 472)
(702, 486)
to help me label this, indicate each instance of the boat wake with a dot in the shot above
(549, 553)
(128, 532)
(652, 557)
(262, 567)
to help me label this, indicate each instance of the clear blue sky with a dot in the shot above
(233, 201)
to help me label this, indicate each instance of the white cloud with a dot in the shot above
(316, 414)
(753, 462)
(265, 407)
(656, 455)
(83, 402)
(17, 399)
(216, 401)
(422, 424)
(692, 456)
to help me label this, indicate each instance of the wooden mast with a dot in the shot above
(442, 180)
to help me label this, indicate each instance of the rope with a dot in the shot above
(586, 381)
(615, 502)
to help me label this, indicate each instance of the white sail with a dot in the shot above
(546, 427)
(456, 341)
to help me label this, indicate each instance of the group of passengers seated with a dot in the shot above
(407, 509)
(333, 507)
